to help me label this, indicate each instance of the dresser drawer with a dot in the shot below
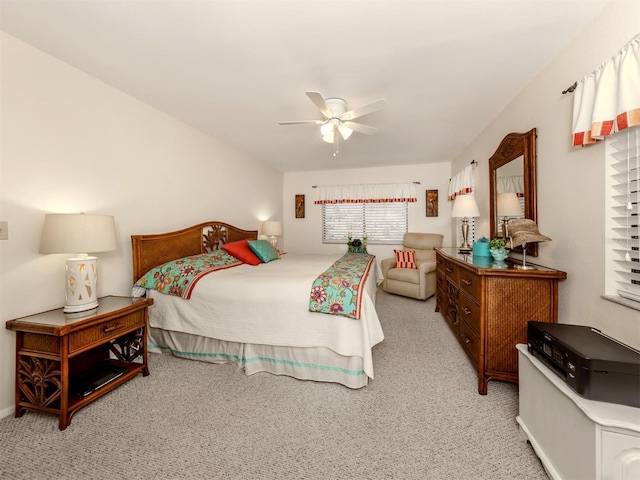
(82, 339)
(452, 271)
(469, 311)
(470, 342)
(470, 283)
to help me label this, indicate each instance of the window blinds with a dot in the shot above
(384, 223)
(624, 213)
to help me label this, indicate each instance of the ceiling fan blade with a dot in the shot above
(295, 122)
(372, 107)
(358, 127)
(318, 100)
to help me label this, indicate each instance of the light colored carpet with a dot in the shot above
(421, 418)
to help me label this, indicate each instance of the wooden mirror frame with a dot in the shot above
(512, 147)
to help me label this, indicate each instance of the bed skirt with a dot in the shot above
(311, 363)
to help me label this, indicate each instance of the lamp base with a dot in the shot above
(80, 308)
(81, 285)
(524, 267)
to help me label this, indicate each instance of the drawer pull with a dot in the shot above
(449, 270)
(466, 339)
(466, 282)
(466, 311)
(111, 329)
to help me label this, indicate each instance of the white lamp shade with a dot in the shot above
(272, 229)
(465, 206)
(78, 233)
(508, 205)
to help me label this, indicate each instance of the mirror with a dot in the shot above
(512, 169)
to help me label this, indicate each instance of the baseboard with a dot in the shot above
(7, 411)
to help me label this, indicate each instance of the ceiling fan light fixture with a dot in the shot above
(328, 132)
(345, 131)
(327, 129)
(337, 118)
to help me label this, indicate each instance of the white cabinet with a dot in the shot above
(575, 438)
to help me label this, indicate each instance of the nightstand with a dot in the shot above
(66, 361)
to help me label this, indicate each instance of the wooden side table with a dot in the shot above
(66, 361)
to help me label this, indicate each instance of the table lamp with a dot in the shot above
(75, 233)
(524, 231)
(272, 230)
(465, 206)
(508, 205)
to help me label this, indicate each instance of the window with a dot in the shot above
(384, 223)
(622, 256)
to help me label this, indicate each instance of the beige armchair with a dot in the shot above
(417, 283)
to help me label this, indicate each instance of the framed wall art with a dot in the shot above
(432, 203)
(299, 206)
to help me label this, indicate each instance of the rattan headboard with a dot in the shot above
(152, 250)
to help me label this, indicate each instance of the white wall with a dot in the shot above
(571, 181)
(305, 234)
(73, 144)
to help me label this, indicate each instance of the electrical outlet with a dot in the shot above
(4, 230)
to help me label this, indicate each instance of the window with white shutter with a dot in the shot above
(384, 223)
(622, 256)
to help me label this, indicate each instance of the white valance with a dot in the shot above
(511, 184)
(608, 99)
(461, 183)
(373, 193)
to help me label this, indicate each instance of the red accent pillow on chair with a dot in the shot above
(405, 259)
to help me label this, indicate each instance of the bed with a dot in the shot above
(258, 317)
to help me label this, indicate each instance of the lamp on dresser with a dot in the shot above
(465, 206)
(79, 234)
(508, 205)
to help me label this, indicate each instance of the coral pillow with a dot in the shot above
(405, 259)
(242, 251)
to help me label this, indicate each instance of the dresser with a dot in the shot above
(487, 306)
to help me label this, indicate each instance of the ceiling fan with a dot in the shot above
(338, 119)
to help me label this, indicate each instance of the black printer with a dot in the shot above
(594, 365)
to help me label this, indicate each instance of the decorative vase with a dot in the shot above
(499, 254)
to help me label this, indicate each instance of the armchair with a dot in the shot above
(420, 282)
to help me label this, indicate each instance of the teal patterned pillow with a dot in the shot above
(263, 250)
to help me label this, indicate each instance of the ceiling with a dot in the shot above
(235, 68)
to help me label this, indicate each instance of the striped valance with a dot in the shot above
(608, 99)
(461, 183)
(372, 193)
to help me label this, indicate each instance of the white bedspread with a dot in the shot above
(269, 304)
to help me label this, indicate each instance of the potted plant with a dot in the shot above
(498, 248)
